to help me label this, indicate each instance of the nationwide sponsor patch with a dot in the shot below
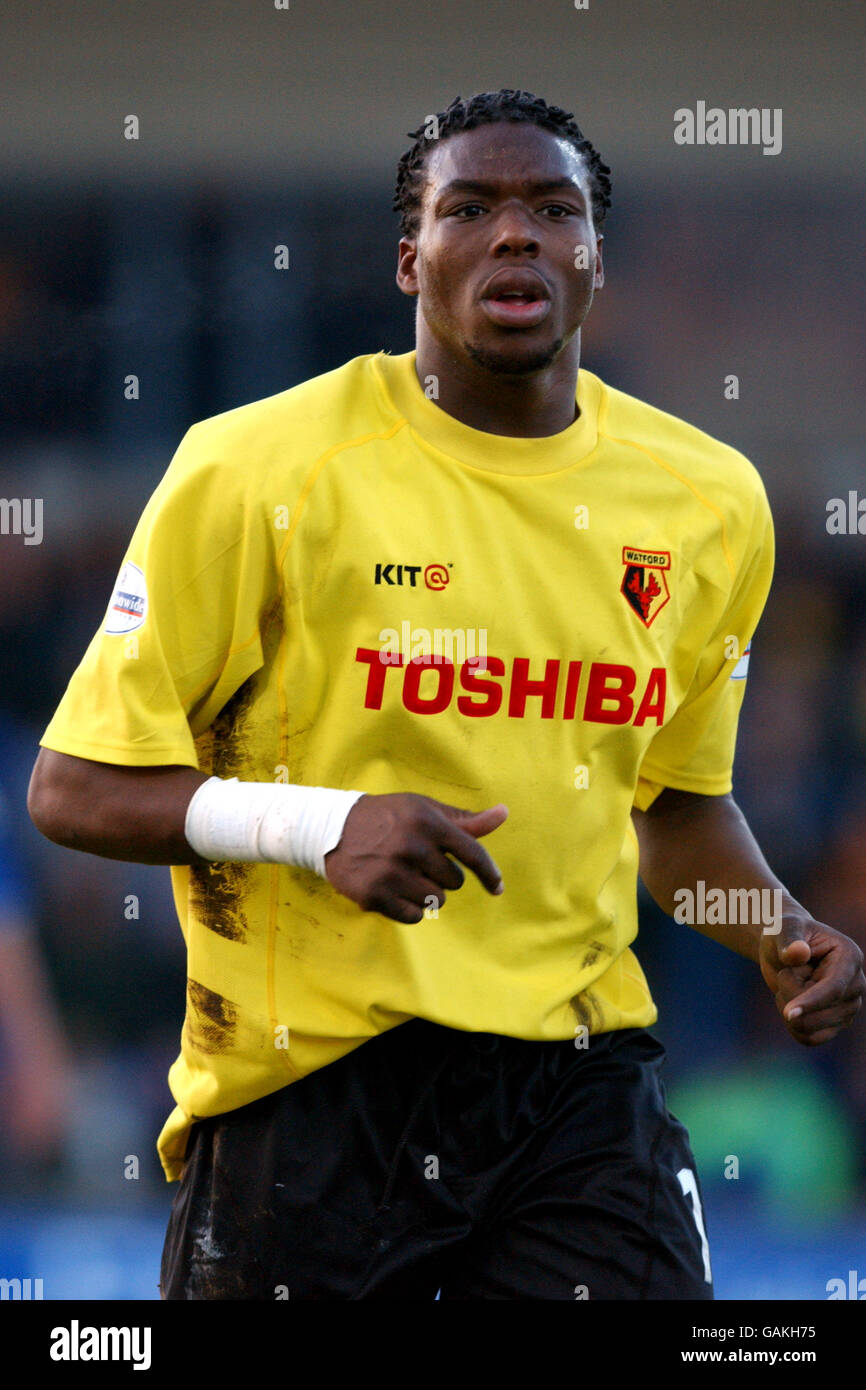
(644, 584)
(741, 670)
(128, 607)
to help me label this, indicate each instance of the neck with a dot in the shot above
(526, 406)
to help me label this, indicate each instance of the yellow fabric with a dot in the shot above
(260, 550)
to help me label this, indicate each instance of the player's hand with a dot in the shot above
(393, 854)
(816, 976)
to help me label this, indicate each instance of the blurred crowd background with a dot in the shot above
(719, 262)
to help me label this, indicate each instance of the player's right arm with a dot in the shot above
(185, 629)
(132, 813)
(392, 857)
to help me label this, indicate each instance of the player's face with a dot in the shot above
(499, 264)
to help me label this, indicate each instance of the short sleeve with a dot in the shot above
(694, 750)
(182, 630)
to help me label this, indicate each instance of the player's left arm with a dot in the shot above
(813, 971)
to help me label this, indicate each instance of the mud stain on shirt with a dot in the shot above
(216, 897)
(588, 1011)
(211, 1020)
(217, 890)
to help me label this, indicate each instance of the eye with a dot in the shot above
(562, 208)
(467, 207)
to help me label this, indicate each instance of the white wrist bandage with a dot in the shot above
(272, 822)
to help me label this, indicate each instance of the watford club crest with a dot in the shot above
(644, 585)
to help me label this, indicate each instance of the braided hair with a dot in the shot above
(486, 108)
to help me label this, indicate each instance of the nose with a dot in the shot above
(514, 231)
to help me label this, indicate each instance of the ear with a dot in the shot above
(599, 264)
(407, 277)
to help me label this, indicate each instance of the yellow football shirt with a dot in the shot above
(344, 586)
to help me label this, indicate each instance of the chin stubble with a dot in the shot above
(504, 364)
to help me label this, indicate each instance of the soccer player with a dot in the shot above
(468, 608)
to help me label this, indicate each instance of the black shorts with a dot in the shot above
(431, 1159)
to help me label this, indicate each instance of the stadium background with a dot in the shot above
(262, 127)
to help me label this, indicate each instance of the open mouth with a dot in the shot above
(516, 310)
